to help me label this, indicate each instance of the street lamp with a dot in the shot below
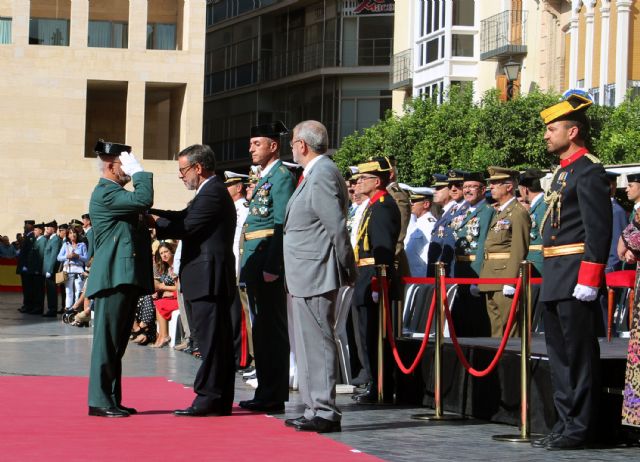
(511, 70)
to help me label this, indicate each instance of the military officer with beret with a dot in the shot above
(50, 266)
(441, 247)
(506, 245)
(576, 233)
(378, 233)
(470, 231)
(121, 270)
(263, 269)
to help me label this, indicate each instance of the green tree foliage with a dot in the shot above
(461, 133)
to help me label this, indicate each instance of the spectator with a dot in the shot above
(165, 298)
(6, 249)
(73, 255)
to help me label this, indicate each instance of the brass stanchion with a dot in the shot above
(381, 271)
(525, 355)
(437, 361)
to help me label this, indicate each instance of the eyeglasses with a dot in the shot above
(294, 142)
(183, 171)
(365, 177)
(474, 186)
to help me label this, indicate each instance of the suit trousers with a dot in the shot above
(214, 382)
(52, 294)
(268, 303)
(317, 354)
(114, 312)
(368, 316)
(248, 322)
(574, 360)
(37, 299)
(239, 332)
(498, 308)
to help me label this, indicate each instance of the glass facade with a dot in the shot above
(5, 30)
(161, 36)
(53, 32)
(227, 9)
(108, 34)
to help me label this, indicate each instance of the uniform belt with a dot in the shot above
(497, 256)
(560, 250)
(535, 248)
(258, 234)
(465, 258)
(366, 261)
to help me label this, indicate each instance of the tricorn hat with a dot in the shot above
(474, 176)
(107, 148)
(573, 107)
(530, 176)
(270, 130)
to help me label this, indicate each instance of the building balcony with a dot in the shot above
(503, 35)
(401, 70)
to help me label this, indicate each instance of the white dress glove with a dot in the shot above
(375, 297)
(508, 291)
(130, 164)
(47, 275)
(473, 290)
(585, 293)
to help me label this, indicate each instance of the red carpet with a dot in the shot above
(45, 418)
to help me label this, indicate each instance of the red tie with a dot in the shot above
(300, 179)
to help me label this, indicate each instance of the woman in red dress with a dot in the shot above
(165, 298)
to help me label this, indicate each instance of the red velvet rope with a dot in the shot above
(503, 343)
(469, 280)
(391, 337)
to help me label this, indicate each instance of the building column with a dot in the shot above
(20, 23)
(588, 53)
(605, 11)
(622, 49)
(78, 35)
(137, 24)
(448, 43)
(574, 40)
(134, 131)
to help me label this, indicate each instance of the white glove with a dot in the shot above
(375, 297)
(473, 290)
(47, 275)
(585, 293)
(130, 164)
(24, 269)
(508, 291)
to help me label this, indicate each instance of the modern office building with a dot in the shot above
(294, 60)
(75, 71)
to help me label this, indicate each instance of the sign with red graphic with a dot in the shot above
(374, 7)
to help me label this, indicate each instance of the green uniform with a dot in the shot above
(535, 244)
(50, 265)
(262, 252)
(120, 273)
(34, 269)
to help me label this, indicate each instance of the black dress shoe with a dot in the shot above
(295, 422)
(319, 425)
(128, 410)
(262, 406)
(564, 443)
(366, 398)
(50, 314)
(542, 442)
(107, 412)
(196, 412)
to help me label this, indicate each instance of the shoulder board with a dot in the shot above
(394, 188)
(283, 169)
(592, 158)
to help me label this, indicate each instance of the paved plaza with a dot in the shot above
(32, 345)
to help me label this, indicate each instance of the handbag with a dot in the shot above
(61, 277)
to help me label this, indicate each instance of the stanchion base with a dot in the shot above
(517, 438)
(431, 416)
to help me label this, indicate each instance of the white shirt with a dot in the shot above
(202, 184)
(265, 171)
(535, 200)
(310, 165)
(504, 206)
(357, 218)
(416, 243)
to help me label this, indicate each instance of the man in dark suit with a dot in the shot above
(120, 273)
(207, 276)
(27, 243)
(318, 261)
(50, 266)
(576, 232)
(35, 260)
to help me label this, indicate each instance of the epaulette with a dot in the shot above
(592, 158)
(382, 199)
(395, 188)
(283, 169)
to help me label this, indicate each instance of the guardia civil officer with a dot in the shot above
(576, 233)
(263, 269)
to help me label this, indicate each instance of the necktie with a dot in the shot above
(300, 179)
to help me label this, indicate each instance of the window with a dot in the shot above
(462, 45)
(5, 30)
(107, 34)
(49, 22)
(106, 113)
(433, 91)
(219, 10)
(432, 14)
(161, 36)
(463, 13)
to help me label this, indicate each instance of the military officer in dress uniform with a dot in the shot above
(416, 242)
(507, 244)
(576, 233)
(35, 261)
(50, 266)
(470, 231)
(120, 273)
(404, 206)
(21, 268)
(441, 247)
(263, 269)
(376, 243)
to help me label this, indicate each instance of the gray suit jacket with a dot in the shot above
(318, 256)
